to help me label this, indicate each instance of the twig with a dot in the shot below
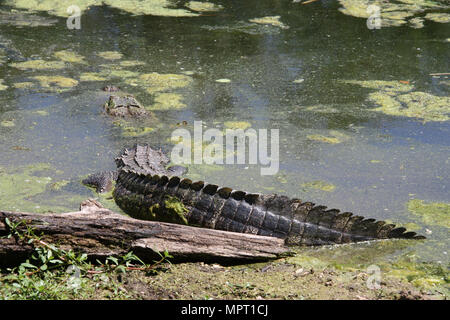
(309, 1)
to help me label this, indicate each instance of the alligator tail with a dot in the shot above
(138, 193)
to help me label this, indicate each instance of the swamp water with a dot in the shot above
(364, 125)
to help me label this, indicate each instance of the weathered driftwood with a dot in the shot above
(100, 232)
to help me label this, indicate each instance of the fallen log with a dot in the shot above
(100, 233)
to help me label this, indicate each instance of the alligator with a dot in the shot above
(124, 105)
(147, 189)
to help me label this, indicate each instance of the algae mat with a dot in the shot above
(138, 7)
(398, 99)
(397, 13)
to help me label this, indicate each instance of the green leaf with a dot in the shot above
(56, 261)
(44, 267)
(8, 222)
(28, 265)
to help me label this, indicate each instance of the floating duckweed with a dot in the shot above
(24, 19)
(203, 6)
(110, 55)
(414, 104)
(136, 132)
(438, 17)
(237, 125)
(223, 80)
(150, 7)
(426, 106)
(272, 20)
(2, 86)
(395, 99)
(17, 188)
(319, 185)
(41, 112)
(39, 65)
(69, 56)
(432, 213)
(167, 101)
(56, 186)
(91, 76)
(387, 86)
(131, 63)
(384, 99)
(7, 123)
(416, 23)
(321, 138)
(321, 109)
(56, 81)
(138, 7)
(23, 85)
(392, 14)
(155, 82)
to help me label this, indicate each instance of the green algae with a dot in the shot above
(92, 76)
(137, 7)
(416, 23)
(438, 17)
(69, 56)
(150, 7)
(2, 86)
(23, 85)
(386, 86)
(321, 109)
(398, 99)
(56, 186)
(432, 213)
(271, 20)
(167, 101)
(237, 125)
(131, 63)
(7, 123)
(18, 186)
(322, 138)
(414, 104)
(24, 19)
(156, 82)
(203, 6)
(39, 64)
(129, 131)
(223, 80)
(110, 55)
(41, 112)
(56, 83)
(319, 185)
(172, 211)
(394, 14)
